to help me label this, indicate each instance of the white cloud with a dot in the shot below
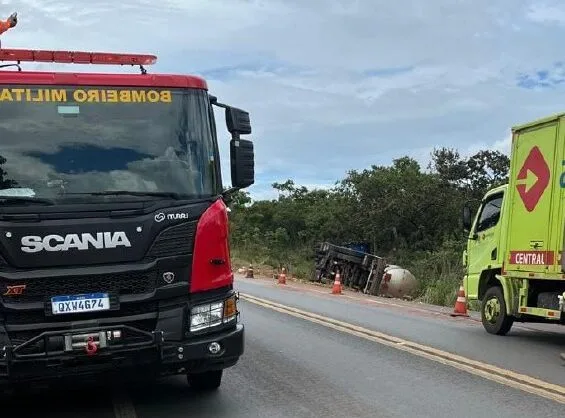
(544, 12)
(443, 76)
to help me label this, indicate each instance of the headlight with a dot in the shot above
(213, 314)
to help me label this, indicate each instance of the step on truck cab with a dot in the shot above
(114, 251)
(514, 257)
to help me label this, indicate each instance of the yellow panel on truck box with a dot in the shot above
(535, 230)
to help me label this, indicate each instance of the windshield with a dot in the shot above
(66, 143)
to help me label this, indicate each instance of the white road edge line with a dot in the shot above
(505, 377)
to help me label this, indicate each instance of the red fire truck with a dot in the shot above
(114, 251)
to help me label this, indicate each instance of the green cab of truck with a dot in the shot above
(514, 261)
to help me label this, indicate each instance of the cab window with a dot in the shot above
(490, 213)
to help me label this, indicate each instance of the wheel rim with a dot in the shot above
(492, 310)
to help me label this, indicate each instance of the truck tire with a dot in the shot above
(205, 381)
(493, 312)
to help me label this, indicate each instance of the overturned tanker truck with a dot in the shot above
(358, 269)
(362, 271)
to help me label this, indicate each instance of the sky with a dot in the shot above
(334, 85)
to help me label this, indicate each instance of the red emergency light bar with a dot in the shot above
(75, 57)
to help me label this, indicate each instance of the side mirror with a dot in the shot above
(467, 218)
(242, 161)
(237, 121)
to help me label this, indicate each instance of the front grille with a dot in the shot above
(41, 290)
(176, 240)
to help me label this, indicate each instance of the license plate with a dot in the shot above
(91, 302)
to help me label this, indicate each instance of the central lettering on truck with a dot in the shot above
(538, 258)
(85, 241)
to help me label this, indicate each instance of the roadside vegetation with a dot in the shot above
(408, 214)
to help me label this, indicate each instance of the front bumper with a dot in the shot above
(96, 351)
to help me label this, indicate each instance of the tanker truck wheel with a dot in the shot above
(493, 312)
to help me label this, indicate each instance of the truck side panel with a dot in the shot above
(557, 220)
(532, 193)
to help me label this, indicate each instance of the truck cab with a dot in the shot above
(114, 254)
(483, 256)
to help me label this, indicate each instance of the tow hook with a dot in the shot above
(91, 348)
(91, 342)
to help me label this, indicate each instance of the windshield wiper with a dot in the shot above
(170, 195)
(10, 200)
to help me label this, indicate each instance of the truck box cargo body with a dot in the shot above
(514, 254)
(113, 227)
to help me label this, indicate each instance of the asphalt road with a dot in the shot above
(295, 368)
(535, 353)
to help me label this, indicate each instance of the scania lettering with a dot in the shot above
(114, 255)
(102, 240)
(514, 261)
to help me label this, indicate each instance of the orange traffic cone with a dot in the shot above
(336, 289)
(249, 274)
(282, 276)
(460, 308)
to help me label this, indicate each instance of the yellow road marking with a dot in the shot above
(506, 377)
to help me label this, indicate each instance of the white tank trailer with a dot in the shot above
(397, 282)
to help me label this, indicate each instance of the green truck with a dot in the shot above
(514, 257)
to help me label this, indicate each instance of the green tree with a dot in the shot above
(408, 215)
